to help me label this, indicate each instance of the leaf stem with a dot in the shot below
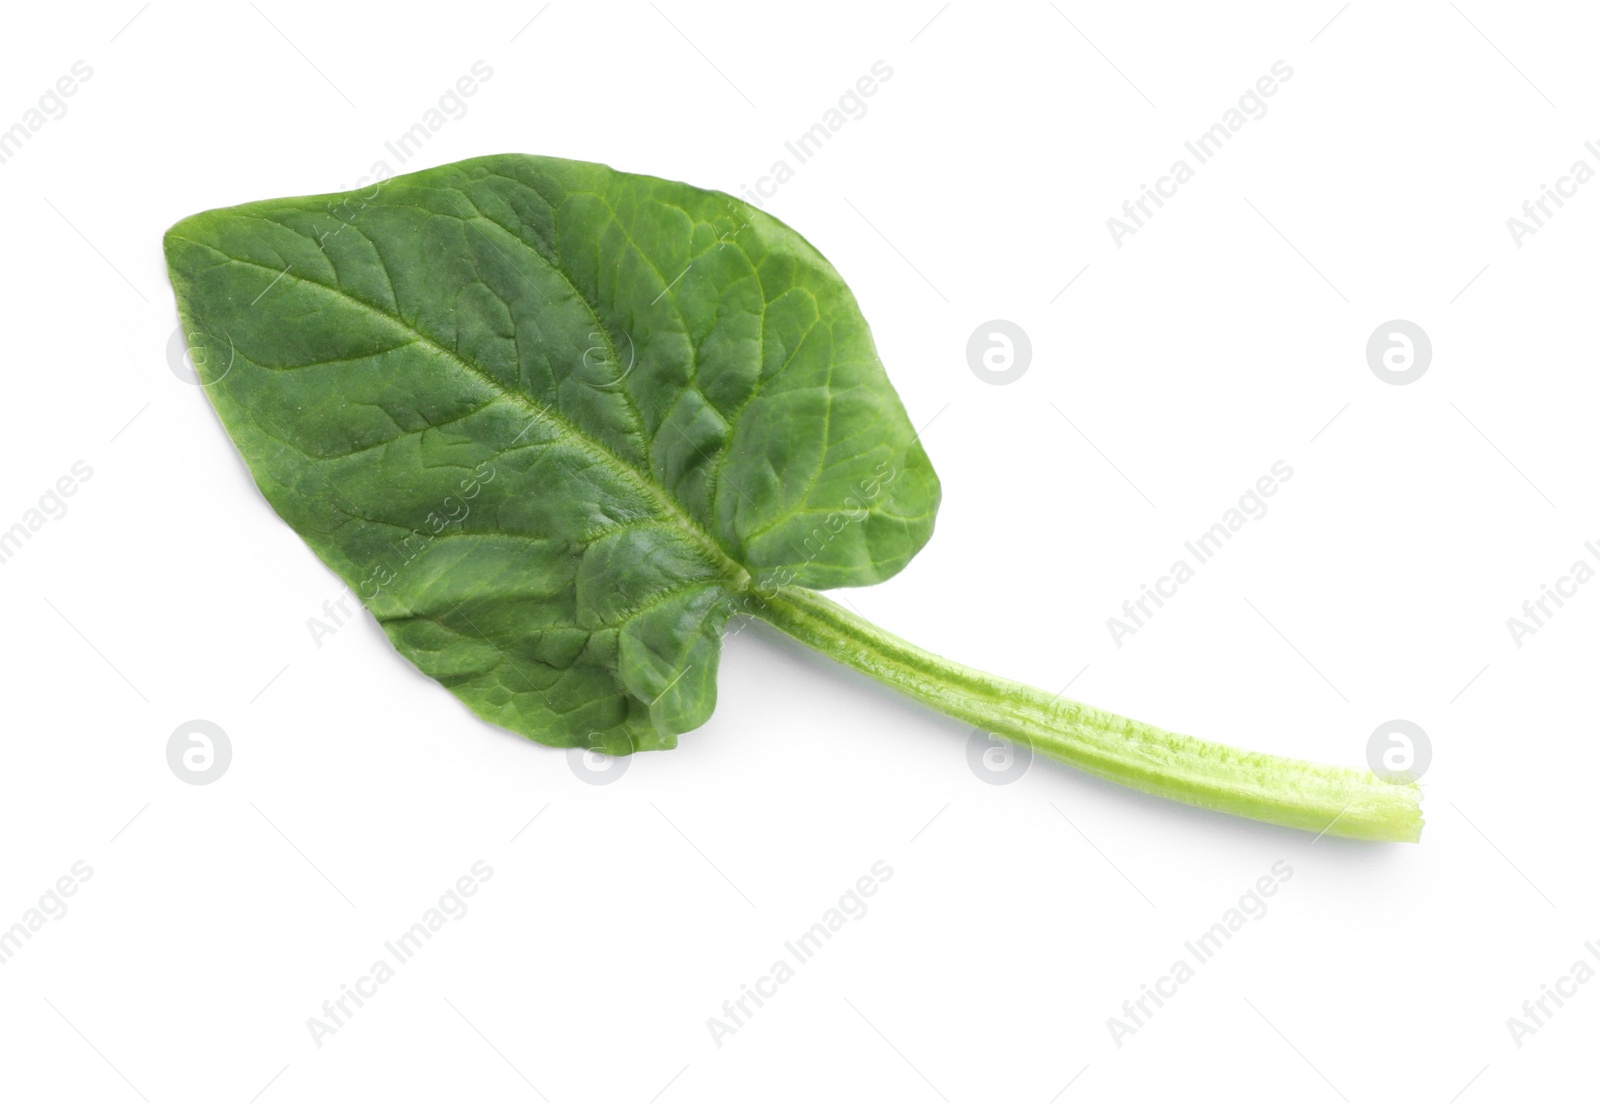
(1320, 798)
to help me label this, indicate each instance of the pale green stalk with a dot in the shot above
(1320, 798)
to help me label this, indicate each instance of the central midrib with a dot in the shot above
(641, 482)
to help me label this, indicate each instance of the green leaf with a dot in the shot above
(553, 423)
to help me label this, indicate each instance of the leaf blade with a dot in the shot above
(547, 460)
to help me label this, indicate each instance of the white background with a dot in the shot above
(1227, 334)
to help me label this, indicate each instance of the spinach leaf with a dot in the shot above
(555, 423)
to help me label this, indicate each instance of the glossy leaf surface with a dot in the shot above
(553, 423)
